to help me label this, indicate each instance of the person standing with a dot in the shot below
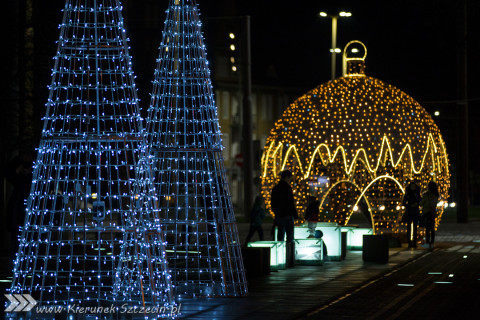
(411, 202)
(257, 214)
(283, 206)
(429, 211)
(311, 215)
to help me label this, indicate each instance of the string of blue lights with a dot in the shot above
(183, 134)
(85, 240)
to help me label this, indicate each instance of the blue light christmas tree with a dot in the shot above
(183, 134)
(86, 240)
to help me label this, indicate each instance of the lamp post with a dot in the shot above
(334, 50)
(247, 117)
(245, 68)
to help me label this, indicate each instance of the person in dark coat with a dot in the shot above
(429, 212)
(257, 214)
(283, 207)
(411, 202)
(311, 215)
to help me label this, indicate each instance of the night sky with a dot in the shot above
(411, 44)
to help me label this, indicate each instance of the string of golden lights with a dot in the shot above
(355, 138)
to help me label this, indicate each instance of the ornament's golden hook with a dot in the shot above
(354, 65)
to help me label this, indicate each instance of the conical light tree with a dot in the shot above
(185, 144)
(84, 242)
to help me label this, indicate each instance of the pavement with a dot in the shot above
(305, 292)
(441, 284)
(319, 292)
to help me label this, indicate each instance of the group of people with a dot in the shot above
(413, 201)
(283, 207)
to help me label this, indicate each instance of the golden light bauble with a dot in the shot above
(354, 143)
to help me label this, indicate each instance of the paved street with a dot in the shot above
(414, 284)
(352, 289)
(443, 284)
(292, 293)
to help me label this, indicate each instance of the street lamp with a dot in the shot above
(334, 50)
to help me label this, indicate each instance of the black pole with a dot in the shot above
(247, 117)
(463, 165)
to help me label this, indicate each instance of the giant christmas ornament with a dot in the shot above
(354, 143)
